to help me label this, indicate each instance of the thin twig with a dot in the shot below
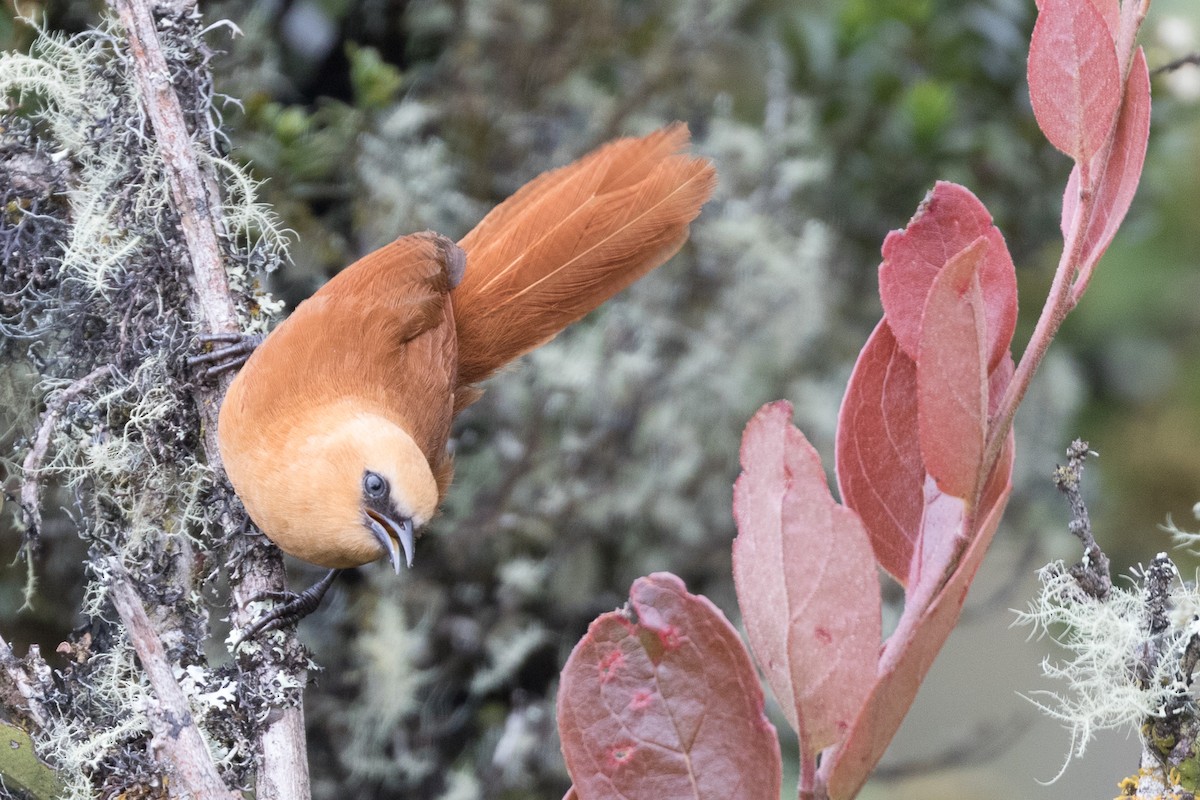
(1092, 572)
(1171, 66)
(1156, 592)
(985, 743)
(282, 769)
(177, 739)
(31, 467)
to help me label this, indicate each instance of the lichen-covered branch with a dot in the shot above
(115, 252)
(31, 486)
(1093, 571)
(282, 761)
(1132, 653)
(177, 740)
(18, 679)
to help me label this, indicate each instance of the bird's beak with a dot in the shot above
(393, 535)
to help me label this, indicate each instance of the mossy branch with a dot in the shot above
(1133, 652)
(176, 737)
(281, 758)
(31, 486)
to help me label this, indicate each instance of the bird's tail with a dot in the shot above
(569, 240)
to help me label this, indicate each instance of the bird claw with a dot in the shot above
(292, 607)
(238, 347)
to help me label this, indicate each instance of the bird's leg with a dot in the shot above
(238, 347)
(292, 607)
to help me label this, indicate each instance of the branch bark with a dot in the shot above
(282, 768)
(31, 481)
(177, 740)
(32, 697)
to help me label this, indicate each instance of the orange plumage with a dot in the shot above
(334, 432)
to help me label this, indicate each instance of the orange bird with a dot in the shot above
(334, 432)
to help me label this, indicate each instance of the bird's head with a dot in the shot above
(356, 490)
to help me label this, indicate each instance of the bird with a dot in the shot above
(334, 432)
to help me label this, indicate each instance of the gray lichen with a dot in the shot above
(94, 308)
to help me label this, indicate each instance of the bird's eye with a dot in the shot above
(374, 485)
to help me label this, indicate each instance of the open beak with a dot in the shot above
(393, 535)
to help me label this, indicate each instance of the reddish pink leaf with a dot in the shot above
(1074, 76)
(1126, 34)
(948, 219)
(1110, 12)
(879, 467)
(998, 482)
(939, 543)
(952, 382)
(909, 659)
(571, 794)
(1115, 170)
(998, 381)
(665, 706)
(806, 582)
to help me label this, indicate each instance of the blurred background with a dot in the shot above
(611, 453)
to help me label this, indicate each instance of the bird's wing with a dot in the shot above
(381, 333)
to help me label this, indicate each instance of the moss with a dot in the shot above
(94, 279)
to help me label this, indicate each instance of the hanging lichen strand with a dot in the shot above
(93, 315)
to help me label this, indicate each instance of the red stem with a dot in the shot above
(808, 775)
(1058, 304)
(1065, 291)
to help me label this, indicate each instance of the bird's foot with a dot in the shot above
(237, 348)
(291, 609)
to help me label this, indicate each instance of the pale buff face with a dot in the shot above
(314, 509)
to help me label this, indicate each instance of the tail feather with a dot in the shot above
(569, 240)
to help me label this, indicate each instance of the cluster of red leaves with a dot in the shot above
(920, 501)
(661, 701)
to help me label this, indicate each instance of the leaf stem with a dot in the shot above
(1072, 276)
(808, 775)
(1058, 304)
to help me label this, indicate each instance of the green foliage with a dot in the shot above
(376, 83)
(905, 91)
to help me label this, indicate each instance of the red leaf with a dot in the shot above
(1126, 33)
(998, 482)
(879, 467)
(668, 706)
(948, 219)
(1110, 12)
(939, 543)
(1074, 77)
(909, 660)
(806, 582)
(1115, 170)
(998, 381)
(952, 381)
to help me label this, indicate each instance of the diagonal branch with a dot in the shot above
(20, 679)
(177, 739)
(1171, 66)
(31, 481)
